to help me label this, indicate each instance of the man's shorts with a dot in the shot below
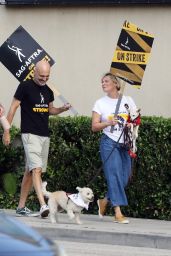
(36, 151)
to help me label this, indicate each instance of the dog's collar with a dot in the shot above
(77, 199)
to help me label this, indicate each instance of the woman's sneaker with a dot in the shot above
(44, 211)
(24, 211)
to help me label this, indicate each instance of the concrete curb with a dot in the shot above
(138, 233)
(114, 238)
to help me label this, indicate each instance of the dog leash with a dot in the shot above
(101, 167)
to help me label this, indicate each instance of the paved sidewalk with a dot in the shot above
(139, 232)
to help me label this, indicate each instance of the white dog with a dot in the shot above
(73, 204)
(134, 121)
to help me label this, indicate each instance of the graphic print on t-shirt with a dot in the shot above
(41, 107)
(35, 102)
(121, 117)
(42, 98)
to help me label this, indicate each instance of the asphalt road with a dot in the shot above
(92, 249)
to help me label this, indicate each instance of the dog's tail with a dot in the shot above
(45, 192)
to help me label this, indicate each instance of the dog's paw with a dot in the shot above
(71, 215)
(53, 222)
(79, 222)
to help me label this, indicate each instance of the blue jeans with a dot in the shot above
(117, 169)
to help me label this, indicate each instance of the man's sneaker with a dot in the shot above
(102, 205)
(24, 211)
(44, 211)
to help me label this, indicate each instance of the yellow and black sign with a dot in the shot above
(132, 54)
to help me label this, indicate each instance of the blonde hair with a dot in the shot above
(114, 79)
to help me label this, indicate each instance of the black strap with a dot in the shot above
(116, 111)
(101, 167)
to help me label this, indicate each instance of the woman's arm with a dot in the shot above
(97, 125)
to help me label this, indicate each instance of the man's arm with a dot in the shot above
(14, 105)
(55, 111)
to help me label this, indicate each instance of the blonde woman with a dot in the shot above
(115, 158)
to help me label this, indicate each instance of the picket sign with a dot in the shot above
(130, 58)
(20, 53)
(132, 54)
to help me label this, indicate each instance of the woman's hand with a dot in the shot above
(129, 125)
(112, 121)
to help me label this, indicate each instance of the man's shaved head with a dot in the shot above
(42, 65)
(41, 72)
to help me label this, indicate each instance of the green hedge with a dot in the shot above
(74, 161)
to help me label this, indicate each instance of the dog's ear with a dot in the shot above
(126, 106)
(79, 189)
(44, 183)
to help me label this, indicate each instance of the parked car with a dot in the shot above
(18, 239)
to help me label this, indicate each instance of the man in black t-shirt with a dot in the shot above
(35, 99)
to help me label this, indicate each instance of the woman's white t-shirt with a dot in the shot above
(106, 106)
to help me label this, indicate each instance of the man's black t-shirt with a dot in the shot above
(34, 105)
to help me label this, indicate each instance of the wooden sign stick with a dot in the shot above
(57, 93)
